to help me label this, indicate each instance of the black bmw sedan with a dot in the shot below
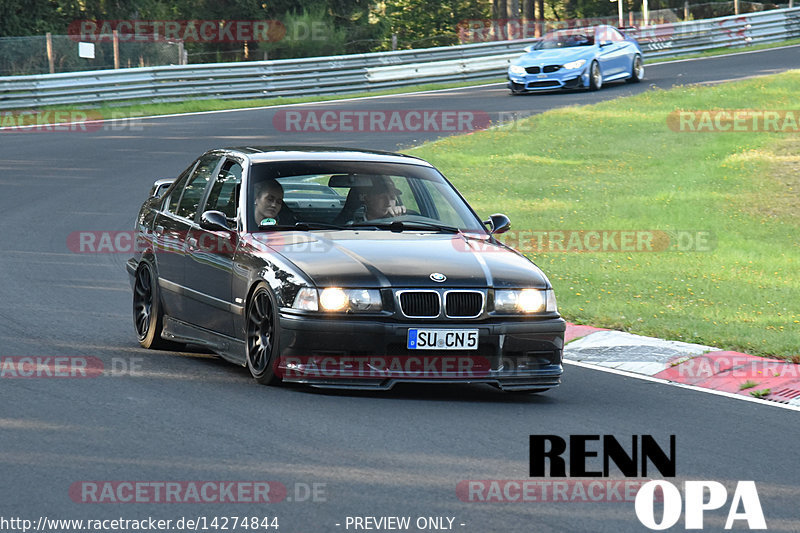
(339, 268)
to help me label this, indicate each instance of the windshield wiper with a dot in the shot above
(398, 226)
(300, 226)
(306, 226)
(270, 227)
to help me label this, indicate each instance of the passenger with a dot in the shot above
(268, 202)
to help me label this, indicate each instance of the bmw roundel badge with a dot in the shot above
(438, 277)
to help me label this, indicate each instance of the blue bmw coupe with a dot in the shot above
(579, 58)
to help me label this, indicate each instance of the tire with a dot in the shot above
(261, 336)
(595, 77)
(148, 315)
(637, 70)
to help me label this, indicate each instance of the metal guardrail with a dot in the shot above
(289, 77)
(363, 72)
(668, 40)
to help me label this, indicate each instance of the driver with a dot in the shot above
(382, 200)
(577, 40)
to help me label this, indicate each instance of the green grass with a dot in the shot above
(617, 165)
(748, 385)
(763, 393)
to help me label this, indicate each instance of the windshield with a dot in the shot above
(343, 194)
(566, 39)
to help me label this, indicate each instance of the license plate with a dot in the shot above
(442, 339)
(540, 76)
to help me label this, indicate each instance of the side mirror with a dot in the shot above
(160, 186)
(498, 223)
(214, 221)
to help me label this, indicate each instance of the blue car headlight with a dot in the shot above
(572, 65)
(516, 69)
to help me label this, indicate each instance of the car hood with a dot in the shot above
(555, 56)
(373, 259)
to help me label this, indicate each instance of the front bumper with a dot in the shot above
(568, 79)
(373, 354)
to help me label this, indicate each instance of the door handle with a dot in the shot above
(159, 230)
(192, 242)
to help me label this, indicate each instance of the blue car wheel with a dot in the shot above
(595, 77)
(637, 70)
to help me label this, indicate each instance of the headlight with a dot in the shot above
(516, 69)
(526, 301)
(575, 64)
(335, 299)
(364, 300)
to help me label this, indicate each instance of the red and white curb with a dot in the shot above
(689, 364)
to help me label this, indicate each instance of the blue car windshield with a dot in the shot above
(564, 39)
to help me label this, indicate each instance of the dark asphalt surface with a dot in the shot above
(189, 416)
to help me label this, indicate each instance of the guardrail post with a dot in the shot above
(115, 38)
(50, 59)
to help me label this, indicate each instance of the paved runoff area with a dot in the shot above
(683, 362)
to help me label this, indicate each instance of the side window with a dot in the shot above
(193, 193)
(445, 212)
(224, 194)
(180, 183)
(607, 33)
(406, 197)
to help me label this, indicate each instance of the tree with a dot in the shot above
(36, 17)
(424, 23)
